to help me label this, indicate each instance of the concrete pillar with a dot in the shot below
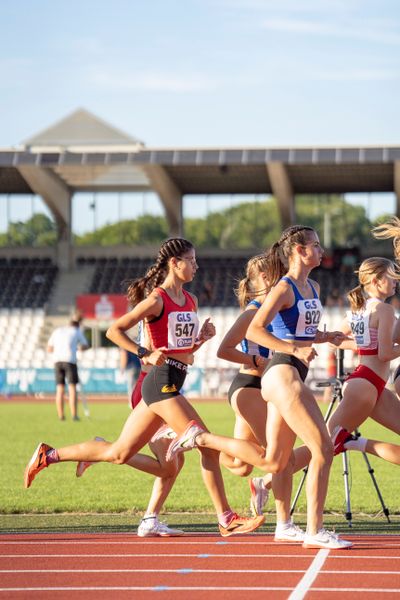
(283, 192)
(55, 193)
(64, 255)
(170, 195)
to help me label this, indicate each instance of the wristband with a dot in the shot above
(255, 361)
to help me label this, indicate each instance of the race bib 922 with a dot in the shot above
(310, 313)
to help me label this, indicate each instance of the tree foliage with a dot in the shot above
(249, 225)
(145, 230)
(39, 230)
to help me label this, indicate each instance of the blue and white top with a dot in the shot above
(249, 347)
(300, 321)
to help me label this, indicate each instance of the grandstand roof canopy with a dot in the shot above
(83, 153)
(90, 155)
(211, 171)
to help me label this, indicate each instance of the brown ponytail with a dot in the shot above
(140, 288)
(279, 253)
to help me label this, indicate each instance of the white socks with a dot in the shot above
(359, 444)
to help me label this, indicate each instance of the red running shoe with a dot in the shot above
(340, 436)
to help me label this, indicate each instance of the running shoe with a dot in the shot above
(152, 527)
(241, 525)
(85, 464)
(184, 442)
(289, 533)
(259, 495)
(164, 432)
(325, 539)
(340, 436)
(37, 463)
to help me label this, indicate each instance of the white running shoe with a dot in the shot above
(259, 495)
(289, 533)
(164, 432)
(151, 527)
(325, 539)
(184, 442)
(85, 464)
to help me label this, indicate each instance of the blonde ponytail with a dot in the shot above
(356, 298)
(390, 229)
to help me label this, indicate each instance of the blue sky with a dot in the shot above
(205, 72)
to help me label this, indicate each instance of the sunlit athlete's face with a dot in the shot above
(188, 264)
(313, 251)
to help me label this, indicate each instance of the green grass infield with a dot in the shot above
(112, 498)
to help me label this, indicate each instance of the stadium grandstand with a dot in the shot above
(41, 286)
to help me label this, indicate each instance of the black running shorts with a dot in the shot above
(244, 380)
(164, 382)
(279, 358)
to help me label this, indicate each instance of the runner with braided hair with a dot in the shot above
(170, 315)
(293, 309)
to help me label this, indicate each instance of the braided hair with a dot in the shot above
(141, 287)
(279, 253)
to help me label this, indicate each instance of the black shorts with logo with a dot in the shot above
(164, 382)
(66, 370)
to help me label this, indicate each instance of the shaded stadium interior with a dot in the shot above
(82, 153)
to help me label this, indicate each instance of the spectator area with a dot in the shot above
(26, 282)
(26, 285)
(19, 337)
(215, 280)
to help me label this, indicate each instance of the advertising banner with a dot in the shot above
(102, 307)
(92, 381)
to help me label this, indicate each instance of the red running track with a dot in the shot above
(195, 567)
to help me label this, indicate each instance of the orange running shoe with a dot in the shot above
(241, 525)
(37, 463)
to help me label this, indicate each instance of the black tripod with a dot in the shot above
(337, 395)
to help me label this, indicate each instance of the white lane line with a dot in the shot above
(158, 542)
(196, 589)
(191, 570)
(343, 556)
(183, 571)
(310, 575)
(357, 590)
(157, 588)
(183, 541)
(152, 555)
